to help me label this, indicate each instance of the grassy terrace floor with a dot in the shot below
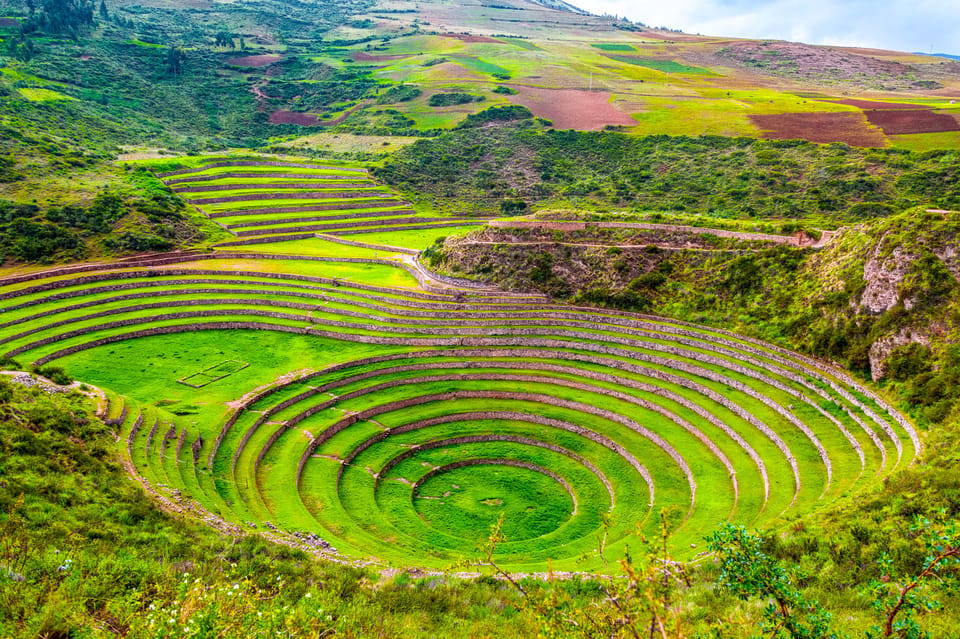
(396, 424)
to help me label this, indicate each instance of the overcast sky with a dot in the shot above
(903, 25)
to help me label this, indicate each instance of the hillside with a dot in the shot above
(402, 319)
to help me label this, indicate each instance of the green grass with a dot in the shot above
(480, 65)
(926, 141)
(44, 95)
(664, 66)
(418, 239)
(613, 47)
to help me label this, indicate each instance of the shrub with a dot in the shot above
(908, 361)
(55, 374)
(399, 93)
(453, 99)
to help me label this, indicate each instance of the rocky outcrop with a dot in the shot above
(884, 274)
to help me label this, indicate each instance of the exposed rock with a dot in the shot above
(883, 276)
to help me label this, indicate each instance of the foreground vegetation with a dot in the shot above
(84, 553)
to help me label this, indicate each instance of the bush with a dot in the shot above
(512, 207)
(906, 362)
(453, 99)
(399, 93)
(55, 374)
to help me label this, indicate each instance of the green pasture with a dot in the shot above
(664, 66)
(479, 65)
(612, 46)
(416, 239)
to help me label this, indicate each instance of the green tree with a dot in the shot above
(224, 39)
(747, 572)
(175, 58)
(103, 10)
(898, 594)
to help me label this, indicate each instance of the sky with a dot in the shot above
(904, 25)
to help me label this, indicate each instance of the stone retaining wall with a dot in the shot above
(167, 436)
(348, 225)
(563, 355)
(143, 307)
(180, 442)
(267, 240)
(409, 227)
(345, 206)
(437, 295)
(133, 433)
(312, 195)
(151, 435)
(446, 279)
(218, 165)
(469, 394)
(670, 228)
(116, 421)
(159, 318)
(376, 247)
(472, 439)
(322, 218)
(498, 462)
(526, 379)
(456, 355)
(250, 186)
(653, 359)
(166, 330)
(294, 176)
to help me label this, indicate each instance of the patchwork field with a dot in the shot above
(347, 407)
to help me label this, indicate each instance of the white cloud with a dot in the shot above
(906, 25)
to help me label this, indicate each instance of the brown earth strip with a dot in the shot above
(578, 109)
(254, 60)
(917, 121)
(291, 117)
(310, 119)
(362, 56)
(823, 128)
(470, 39)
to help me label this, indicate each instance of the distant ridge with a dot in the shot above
(560, 5)
(942, 55)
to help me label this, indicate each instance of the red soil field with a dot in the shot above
(822, 128)
(907, 122)
(311, 119)
(362, 56)
(572, 108)
(254, 60)
(291, 117)
(470, 39)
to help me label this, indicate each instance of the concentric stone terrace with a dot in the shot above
(398, 423)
